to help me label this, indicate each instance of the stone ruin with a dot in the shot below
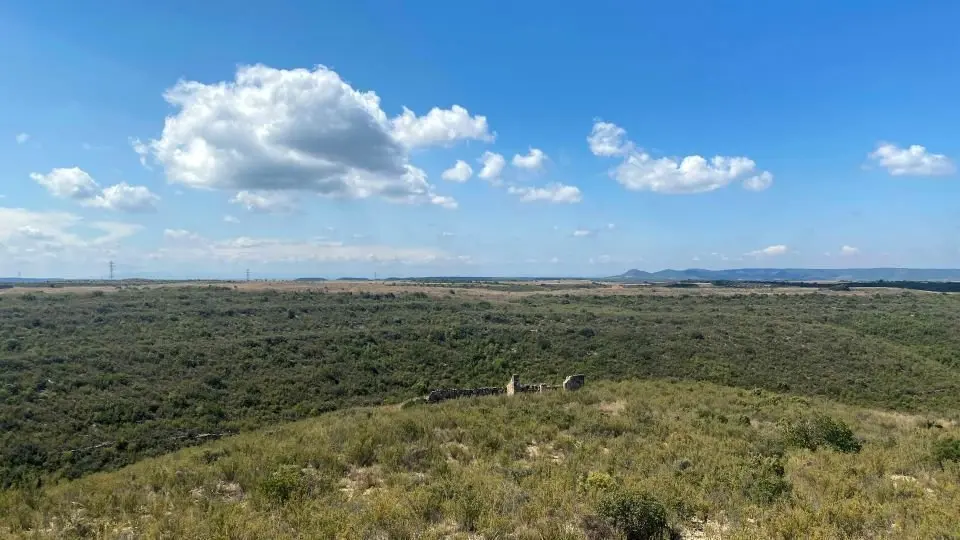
(514, 386)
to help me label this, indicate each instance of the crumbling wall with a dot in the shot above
(453, 393)
(573, 382)
(514, 386)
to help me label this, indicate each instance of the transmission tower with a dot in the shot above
(248, 274)
(112, 266)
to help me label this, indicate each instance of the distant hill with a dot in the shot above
(26, 280)
(795, 274)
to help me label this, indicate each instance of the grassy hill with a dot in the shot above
(92, 381)
(624, 458)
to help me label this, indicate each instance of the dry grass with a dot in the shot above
(531, 466)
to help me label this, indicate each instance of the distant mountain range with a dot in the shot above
(794, 274)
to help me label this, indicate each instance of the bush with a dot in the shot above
(821, 430)
(598, 481)
(637, 516)
(947, 449)
(283, 484)
(764, 481)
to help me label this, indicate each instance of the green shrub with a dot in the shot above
(821, 430)
(763, 482)
(598, 481)
(361, 451)
(947, 449)
(638, 516)
(283, 484)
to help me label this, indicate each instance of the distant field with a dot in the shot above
(485, 288)
(90, 380)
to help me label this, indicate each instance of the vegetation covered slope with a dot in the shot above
(93, 381)
(612, 459)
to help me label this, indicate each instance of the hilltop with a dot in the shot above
(696, 459)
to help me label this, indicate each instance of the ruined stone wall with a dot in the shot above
(573, 382)
(453, 393)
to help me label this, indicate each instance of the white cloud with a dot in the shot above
(114, 231)
(22, 138)
(58, 242)
(555, 193)
(849, 250)
(446, 202)
(181, 235)
(440, 127)
(460, 172)
(696, 258)
(533, 161)
(554, 260)
(769, 251)
(20, 222)
(230, 219)
(580, 233)
(611, 226)
(912, 161)
(447, 234)
(299, 130)
(125, 198)
(493, 165)
(607, 139)
(270, 202)
(73, 183)
(640, 171)
(76, 184)
(759, 182)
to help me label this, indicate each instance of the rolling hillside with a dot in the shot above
(634, 460)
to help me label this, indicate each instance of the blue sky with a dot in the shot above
(198, 139)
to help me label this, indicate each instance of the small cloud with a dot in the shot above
(611, 226)
(460, 172)
(74, 183)
(554, 260)
(553, 193)
(912, 161)
(447, 234)
(581, 233)
(849, 250)
(769, 251)
(759, 182)
(22, 138)
(181, 235)
(696, 258)
(230, 219)
(270, 202)
(142, 149)
(533, 161)
(493, 165)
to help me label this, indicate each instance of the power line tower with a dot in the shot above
(248, 274)
(112, 266)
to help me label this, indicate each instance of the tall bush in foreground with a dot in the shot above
(638, 516)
